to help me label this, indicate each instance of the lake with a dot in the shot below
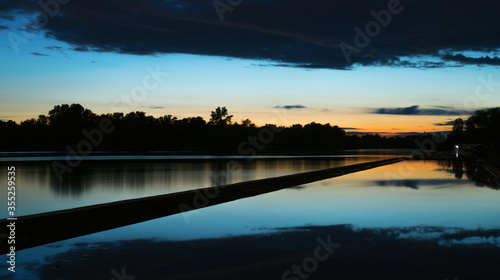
(403, 205)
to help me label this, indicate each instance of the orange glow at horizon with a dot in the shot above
(383, 124)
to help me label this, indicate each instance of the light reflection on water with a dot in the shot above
(39, 189)
(427, 202)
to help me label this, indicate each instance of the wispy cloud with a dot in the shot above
(157, 107)
(447, 123)
(39, 54)
(392, 133)
(291, 107)
(54, 48)
(415, 110)
(350, 128)
(409, 133)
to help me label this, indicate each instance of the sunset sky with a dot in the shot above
(270, 61)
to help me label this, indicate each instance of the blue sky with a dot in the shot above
(54, 68)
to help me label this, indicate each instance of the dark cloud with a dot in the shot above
(290, 107)
(421, 133)
(57, 49)
(402, 134)
(80, 49)
(360, 133)
(447, 123)
(54, 48)
(462, 59)
(369, 133)
(398, 111)
(157, 107)
(415, 110)
(3, 27)
(39, 54)
(409, 133)
(291, 33)
(350, 128)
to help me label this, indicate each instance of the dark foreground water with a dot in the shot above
(410, 220)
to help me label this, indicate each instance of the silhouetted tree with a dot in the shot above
(220, 117)
(456, 135)
(167, 119)
(483, 126)
(247, 123)
(458, 126)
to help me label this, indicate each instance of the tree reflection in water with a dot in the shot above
(475, 172)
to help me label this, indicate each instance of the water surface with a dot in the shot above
(413, 200)
(108, 179)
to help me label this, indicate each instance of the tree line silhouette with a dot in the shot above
(137, 131)
(483, 127)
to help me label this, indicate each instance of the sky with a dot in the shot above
(390, 67)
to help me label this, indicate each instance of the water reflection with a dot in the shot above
(176, 175)
(395, 253)
(414, 184)
(475, 172)
(432, 220)
(106, 181)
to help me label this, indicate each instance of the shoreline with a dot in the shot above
(173, 158)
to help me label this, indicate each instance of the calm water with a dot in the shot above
(39, 190)
(423, 199)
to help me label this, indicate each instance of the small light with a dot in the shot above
(456, 147)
